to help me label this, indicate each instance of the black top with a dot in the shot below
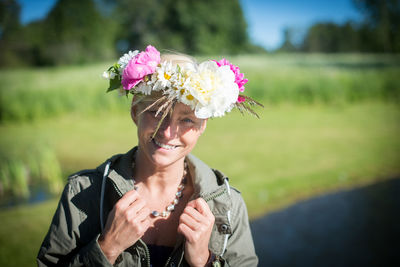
(159, 254)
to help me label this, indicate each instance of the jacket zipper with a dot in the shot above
(116, 188)
(145, 247)
(146, 250)
(169, 258)
(216, 194)
(147, 256)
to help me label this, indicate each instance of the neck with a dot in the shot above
(152, 176)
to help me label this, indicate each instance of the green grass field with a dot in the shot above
(301, 147)
(27, 94)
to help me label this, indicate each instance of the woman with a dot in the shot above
(157, 205)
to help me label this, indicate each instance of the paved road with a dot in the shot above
(360, 227)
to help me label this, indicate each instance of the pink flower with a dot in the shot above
(142, 64)
(239, 77)
(241, 99)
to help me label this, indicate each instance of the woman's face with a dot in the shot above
(176, 137)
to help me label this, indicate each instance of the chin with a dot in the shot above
(160, 160)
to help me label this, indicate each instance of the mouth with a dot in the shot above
(165, 146)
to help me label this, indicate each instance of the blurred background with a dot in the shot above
(319, 171)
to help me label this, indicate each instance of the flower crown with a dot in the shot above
(211, 89)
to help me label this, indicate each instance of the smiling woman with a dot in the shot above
(175, 138)
(158, 205)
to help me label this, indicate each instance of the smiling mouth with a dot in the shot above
(168, 147)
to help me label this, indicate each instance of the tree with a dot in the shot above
(9, 18)
(331, 38)
(185, 25)
(322, 37)
(379, 32)
(382, 21)
(10, 32)
(79, 31)
(288, 45)
(75, 32)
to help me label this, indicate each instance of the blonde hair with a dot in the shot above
(179, 59)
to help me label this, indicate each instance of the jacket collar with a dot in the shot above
(206, 183)
(204, 179)
(121, 172)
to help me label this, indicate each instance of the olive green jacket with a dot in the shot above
(76, 226)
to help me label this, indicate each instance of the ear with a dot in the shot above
(203, 126)
(134, 114)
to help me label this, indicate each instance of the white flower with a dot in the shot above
(215, 89)
(124, 60)
(144, 88)
(209, 90)
(186, 97)
(108, 75)
(164, 76)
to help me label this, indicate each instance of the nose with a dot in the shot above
(168, 128)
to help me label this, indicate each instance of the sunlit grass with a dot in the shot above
(330, 122)
(290, 153)
(31, 94)
(294, 152)
(22, 231)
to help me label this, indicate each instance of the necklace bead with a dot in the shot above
(178, 195)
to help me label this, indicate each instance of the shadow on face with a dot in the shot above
(179, 120)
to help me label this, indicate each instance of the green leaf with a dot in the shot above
(114, 84)
(114, 68)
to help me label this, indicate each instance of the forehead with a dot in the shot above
(183, 109)
(178, 108)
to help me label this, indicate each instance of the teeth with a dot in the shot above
(164, 146)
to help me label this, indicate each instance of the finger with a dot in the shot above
(189, 221)
(139, 218)
(201, 205)
(195, 214)
(136, 206)
(186, 232)
(143, 214)
(127, 199)
(141, 223)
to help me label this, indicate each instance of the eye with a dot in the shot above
(154, 112)
(187, 120)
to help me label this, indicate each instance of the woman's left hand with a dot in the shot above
(196, 223)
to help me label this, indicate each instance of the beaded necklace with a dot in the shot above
(178, 195)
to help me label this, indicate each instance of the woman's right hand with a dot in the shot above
(126, 224)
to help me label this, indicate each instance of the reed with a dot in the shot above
(20, 176)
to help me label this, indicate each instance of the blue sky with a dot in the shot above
(266, 19)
